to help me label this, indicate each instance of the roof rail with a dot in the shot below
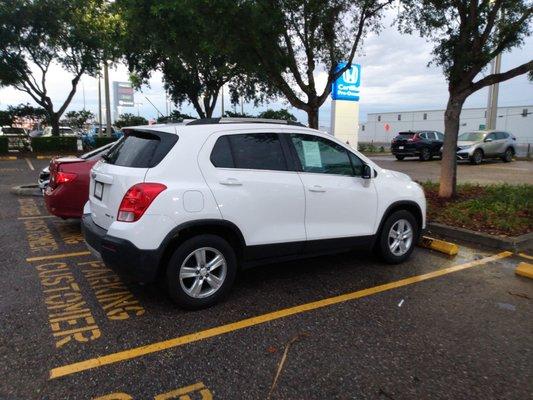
(226, 120)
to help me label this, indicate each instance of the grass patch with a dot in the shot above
(495, 209)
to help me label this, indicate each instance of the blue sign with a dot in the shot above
(346, 87)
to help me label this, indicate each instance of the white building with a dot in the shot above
(382, 127)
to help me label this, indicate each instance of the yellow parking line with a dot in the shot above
(525, 256)
(37, 217)
(56, 256)
(8, 158)
(260, 319)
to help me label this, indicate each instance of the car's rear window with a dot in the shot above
(141, 149)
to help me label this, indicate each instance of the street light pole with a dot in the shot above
(107, 100)
(99, 105)
(222, 101)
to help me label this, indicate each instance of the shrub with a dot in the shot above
(3, 145)
(102, 141)
(54, 143)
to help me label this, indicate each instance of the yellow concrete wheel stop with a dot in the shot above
(450, 249)
(524, 269)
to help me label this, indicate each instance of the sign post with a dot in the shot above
(122, 96)
(345, 105)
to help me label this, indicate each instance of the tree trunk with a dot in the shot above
(312, 117)
(54, 122)
(448, 172)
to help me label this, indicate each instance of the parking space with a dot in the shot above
(345, 326)
(491, 171)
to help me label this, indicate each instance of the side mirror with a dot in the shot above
(368, 172)
(488, 140)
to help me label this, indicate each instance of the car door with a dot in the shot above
(339, 202)
(501, 140)
(490, 145)
(251, 179)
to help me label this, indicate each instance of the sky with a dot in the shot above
(395, 77)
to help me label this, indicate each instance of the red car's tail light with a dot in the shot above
(137, 199)
(64, 177)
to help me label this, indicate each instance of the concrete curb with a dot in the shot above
(517, 243)
(26, 190)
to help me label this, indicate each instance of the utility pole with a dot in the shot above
(107, 100)
(492, 103)
(99, 105)
(222, 101)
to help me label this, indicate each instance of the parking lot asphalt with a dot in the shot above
(345, 326)
(490, 171)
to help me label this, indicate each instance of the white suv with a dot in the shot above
(194, 202)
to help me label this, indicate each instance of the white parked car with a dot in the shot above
(63, 131)
(192, 203)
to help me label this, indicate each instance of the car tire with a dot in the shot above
(477, 157)
(399, 158)
(425, 154)
(186, 271)
(386, 242)
(508, 155)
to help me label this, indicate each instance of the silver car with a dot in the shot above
(478, 145)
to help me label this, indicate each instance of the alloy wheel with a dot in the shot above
(203, 272)
(400, 237)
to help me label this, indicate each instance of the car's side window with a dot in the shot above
(423, 135)
(249, 151)
(440, 136)
(491, 136)
(501, 135)
(320, 155)
(221, 156)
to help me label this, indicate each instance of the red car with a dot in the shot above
(68, 190)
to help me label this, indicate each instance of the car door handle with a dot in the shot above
(230, 182)
(317, 188)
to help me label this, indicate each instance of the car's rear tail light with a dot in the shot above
(137, 199)
(64, 177)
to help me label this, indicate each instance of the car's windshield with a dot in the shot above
(471, 136)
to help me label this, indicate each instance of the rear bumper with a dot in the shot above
(410, 151)
(63, 201)
(119, 254)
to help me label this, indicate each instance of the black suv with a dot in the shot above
(422, 144)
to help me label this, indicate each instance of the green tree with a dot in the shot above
(234, 114)
(36, 115)
(128, 119)
(175, 116)
(289, 41)
(186, 41)
(467, 35)
(279, 114)
(23, 111)
(6, 118)
(77, 119)
(37, 34)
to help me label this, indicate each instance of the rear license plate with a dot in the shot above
(400, 147)
(98, 190)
